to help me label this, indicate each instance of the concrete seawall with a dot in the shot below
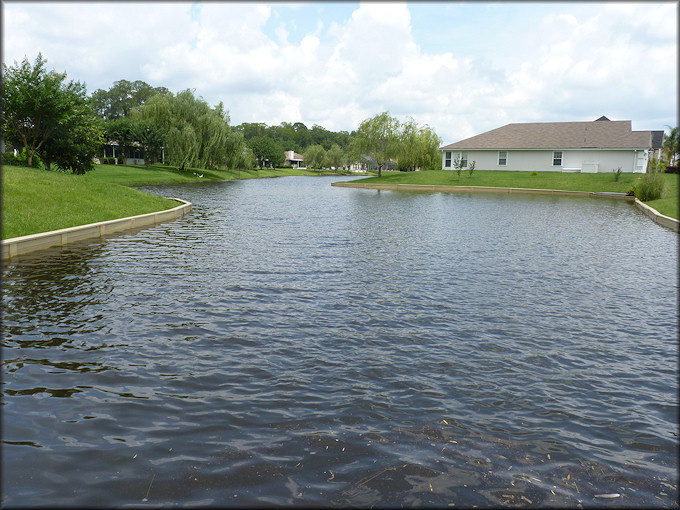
(26, 244)
(660, 219)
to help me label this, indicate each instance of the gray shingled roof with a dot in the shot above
(657, 139)
(559, 135)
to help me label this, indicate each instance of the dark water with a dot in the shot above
(291, 343)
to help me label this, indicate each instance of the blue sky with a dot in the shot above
(460, 67)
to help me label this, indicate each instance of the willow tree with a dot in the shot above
(378, 137)
(314, 156)
(429, 157)
(418, 147)
(196, 135)
(335, 157)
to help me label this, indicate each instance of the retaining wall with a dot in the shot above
(26, 244)
(660, 219)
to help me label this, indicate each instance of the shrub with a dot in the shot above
(8, 158)
(458, 165)
(472, 167)
(21, 159)
(652, 184)
(534, 173)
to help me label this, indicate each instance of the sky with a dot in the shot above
(461, 68)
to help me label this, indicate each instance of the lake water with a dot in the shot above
(293, 343)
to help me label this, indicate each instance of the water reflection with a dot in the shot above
(290, 343)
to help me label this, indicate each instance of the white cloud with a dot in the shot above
(280, 62)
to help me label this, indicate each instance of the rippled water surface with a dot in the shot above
(292, 343)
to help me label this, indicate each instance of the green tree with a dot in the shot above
(321, 136)
(267, 151)
(196, 135)
(150, 139)
(671, 145)
(121, 131)
(33, 104)
(418, 147)
(335, 157)
(314, 156)
(48, 116)
(123, 97)
(378, 137)
(302, 136)
(252, 129)
(77, 142)
(429, 157)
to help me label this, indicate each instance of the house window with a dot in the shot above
(463, 159)
(447, 164)
(502, 158)
(557, 158)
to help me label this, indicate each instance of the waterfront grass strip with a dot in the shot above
(599, 183)
(131, 175)
(37, 201)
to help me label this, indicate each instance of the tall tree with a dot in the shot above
(302, 136)
(335, 157)
(315, 156)
(267, 151)
(48, 116)
(121, 131)
(321, 136)
(150, 139)
(196, 135)
(33, 104)
(378, 137)
(78, 140)
(418, 147)
(123, 97)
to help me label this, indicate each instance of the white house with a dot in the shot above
(134, 155)
(598, 146)
(293, 159)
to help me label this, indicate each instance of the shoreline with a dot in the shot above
(653, 214)
(17, 246)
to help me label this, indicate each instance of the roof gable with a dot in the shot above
(559, 135)
(293, 156)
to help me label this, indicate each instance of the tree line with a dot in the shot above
(55, 121)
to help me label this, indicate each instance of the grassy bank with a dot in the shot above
(36, 201)
(39, 201)
(161, 174)
(600, 182)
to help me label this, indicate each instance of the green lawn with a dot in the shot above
(39, 201)
(541, 180)
(36, 201)
(131, 175)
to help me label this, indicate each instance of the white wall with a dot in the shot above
(604, 161)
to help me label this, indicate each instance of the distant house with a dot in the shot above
(134, 154)
(293, 159)
(590, 147)
(368, 163)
